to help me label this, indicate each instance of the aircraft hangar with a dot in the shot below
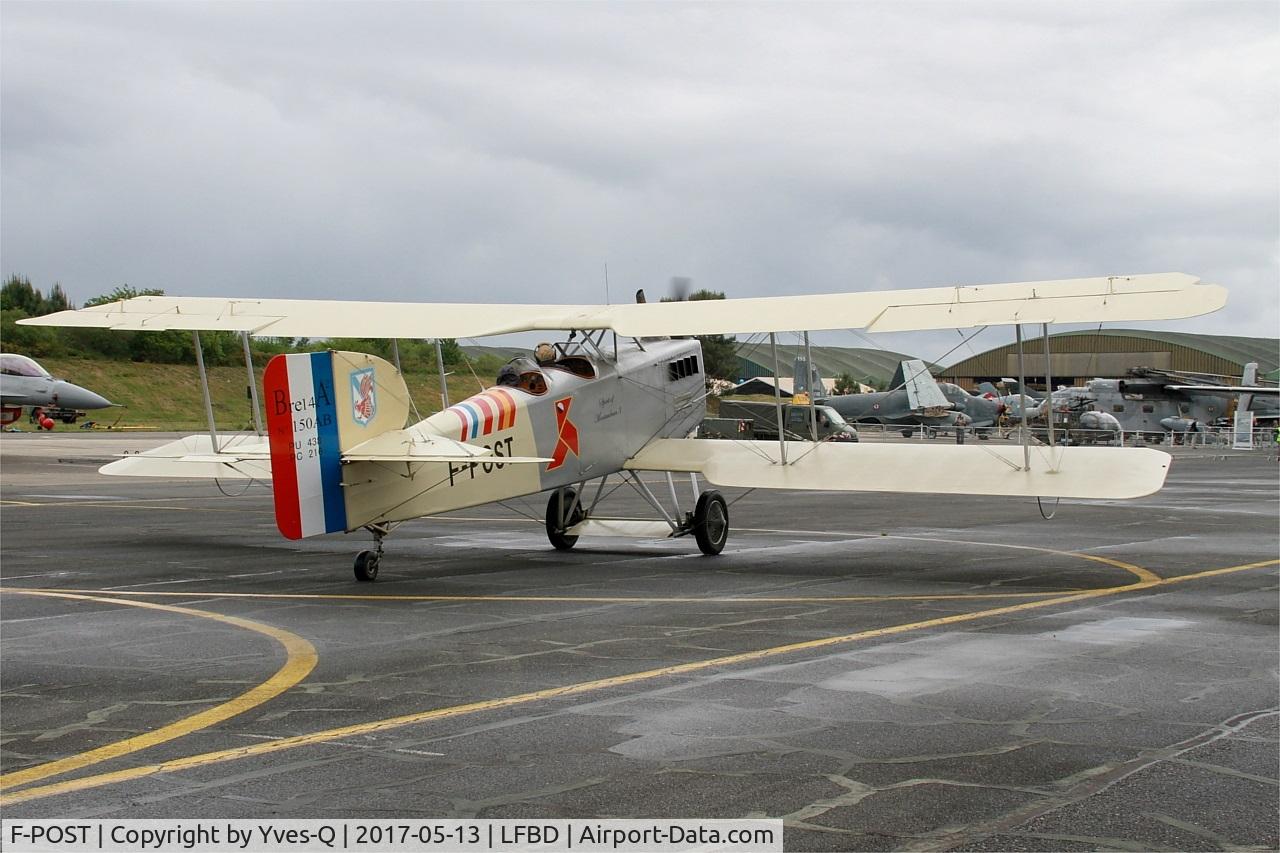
(865, 364)
(1076, 357)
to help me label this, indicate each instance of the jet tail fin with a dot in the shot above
(922, 390)
(807, 379)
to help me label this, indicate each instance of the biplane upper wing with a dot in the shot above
(1156, 296)
(1065, 472)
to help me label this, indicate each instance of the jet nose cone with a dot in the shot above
(71, 396)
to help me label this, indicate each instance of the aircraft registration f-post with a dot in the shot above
(619, 396)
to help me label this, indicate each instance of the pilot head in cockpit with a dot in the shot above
(509, 376)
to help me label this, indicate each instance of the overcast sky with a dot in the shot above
(507, 152)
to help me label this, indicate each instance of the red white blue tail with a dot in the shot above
(319, 406)
(306, 456)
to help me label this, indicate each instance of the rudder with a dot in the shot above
(319, 405)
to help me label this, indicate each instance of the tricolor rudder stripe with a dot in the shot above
(306, 457)
(480, 415)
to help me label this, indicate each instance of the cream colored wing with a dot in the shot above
(1159, 296)
(1113, 473)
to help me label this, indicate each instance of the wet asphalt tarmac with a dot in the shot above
(883, 672)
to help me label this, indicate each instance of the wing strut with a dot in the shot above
(1048, 387)
(253, 384)
(204, 387)
(808, 386)
(1022, 402)
(444, 388)
(777, 397)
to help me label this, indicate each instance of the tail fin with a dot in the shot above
(807, 379)
(318, 406)
(922, 389)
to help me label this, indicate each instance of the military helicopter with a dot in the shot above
(615, 399)
(1153, 404)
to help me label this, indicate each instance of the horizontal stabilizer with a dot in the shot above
(238, 457)
(1105, 473)
(1155, 296)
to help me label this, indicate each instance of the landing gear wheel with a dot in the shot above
(367, 565)
(556, 530)
(711, 523)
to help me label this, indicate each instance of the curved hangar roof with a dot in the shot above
(756, 359)
(1107, 352)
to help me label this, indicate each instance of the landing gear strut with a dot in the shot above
(366, 567)
(708, 523)
(563, 512)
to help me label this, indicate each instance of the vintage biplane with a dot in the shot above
(618, 396)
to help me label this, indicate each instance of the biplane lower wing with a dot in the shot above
(1104, 473)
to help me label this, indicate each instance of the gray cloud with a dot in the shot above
(506, 152)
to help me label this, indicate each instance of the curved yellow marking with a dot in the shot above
(322, 737)
(300, 660)
(1140, 573)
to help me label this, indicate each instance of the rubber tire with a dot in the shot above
(907, 433)
(711, 536)
(555, 536)
(366, 568)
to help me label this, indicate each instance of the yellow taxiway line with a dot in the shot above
(321, 737)
(561, 599)
(300, 659)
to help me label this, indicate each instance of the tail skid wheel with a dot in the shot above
(711, 523)
(366, 567)
(555, 529)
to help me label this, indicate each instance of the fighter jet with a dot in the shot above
(915, 399)
(23, 382)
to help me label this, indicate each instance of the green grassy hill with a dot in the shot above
(167, 396)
